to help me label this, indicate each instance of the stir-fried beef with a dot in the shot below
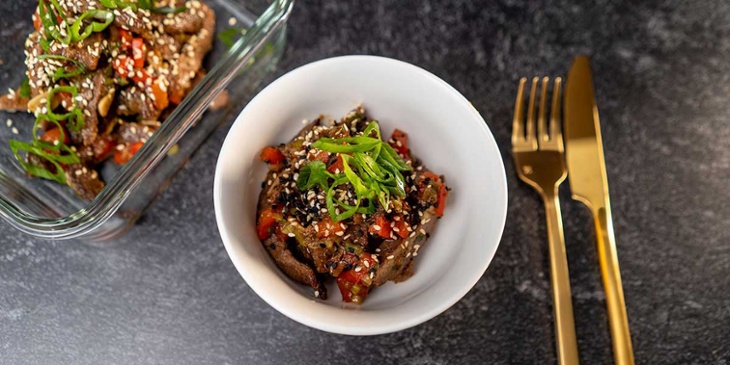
(133, 101)
(87, 52)
(106, 88)
(13, 102)
(90, 93)
(84, 181)
(363, 250)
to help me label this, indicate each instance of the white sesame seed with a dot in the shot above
(390, 257)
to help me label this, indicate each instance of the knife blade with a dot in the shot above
(588, 184)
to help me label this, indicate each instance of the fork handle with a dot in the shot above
(623, 353)
(566, 344)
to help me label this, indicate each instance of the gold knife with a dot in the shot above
(588, 183)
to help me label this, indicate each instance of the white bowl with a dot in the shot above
(444, 130)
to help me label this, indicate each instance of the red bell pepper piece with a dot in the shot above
(54, 134)
(381, 227)
(266, 223)
(138, 52)
(126, 154)
(337, 167)
(271, 155)
(399, 142)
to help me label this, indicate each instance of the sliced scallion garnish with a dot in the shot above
(75, 32)
(25, 88)
(371, 167)
(60, 72)
(74, 118)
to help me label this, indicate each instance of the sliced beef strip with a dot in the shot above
(321, 252)
(167, 46)
(84, 181)
(189, 21)
(73, 7)
(36, 74)
(285, 259)
(88, 51)
(134, 21)
(192, 54)
(91, 89)
(134, 101)
(13, 103)
(129, 133)
(291, 266)
(399, 267)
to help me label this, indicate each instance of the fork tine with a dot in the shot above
(555, 128)
(542, 131)
(530, 132)
(518, 131)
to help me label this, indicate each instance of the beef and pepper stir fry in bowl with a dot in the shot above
(101, 77)
(338, 201)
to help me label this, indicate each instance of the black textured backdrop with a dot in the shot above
(168, 294)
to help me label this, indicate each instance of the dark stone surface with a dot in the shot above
(168, 294)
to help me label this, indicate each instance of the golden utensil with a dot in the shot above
(539, 162)
(589, 185)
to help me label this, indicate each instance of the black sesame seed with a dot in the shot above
(272, 246)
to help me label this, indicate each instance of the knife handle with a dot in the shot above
(566, 344)
(623, 353)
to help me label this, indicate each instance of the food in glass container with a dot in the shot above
(339, 201)
(101, 77)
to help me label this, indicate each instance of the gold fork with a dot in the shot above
(539, 160)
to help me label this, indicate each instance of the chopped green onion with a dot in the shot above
(347, 144)
(371, 167)
(111, 4)
(107, 17)
(312, 174)
(168, 10)
(60, 72)
(74, 118)
(25, 88)
(231, 35)
(55, 159)
(101, 19)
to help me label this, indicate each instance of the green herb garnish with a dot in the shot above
(57, 154)
(76, 31)
(60, 72)
(25, 88)
(313, 174)
(371, 167)
(231, 35)
(142, 4)
(168, 10)
(74, 118)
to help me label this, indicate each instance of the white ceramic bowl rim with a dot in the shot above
(238, 171)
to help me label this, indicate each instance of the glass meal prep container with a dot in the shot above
(50, 210)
